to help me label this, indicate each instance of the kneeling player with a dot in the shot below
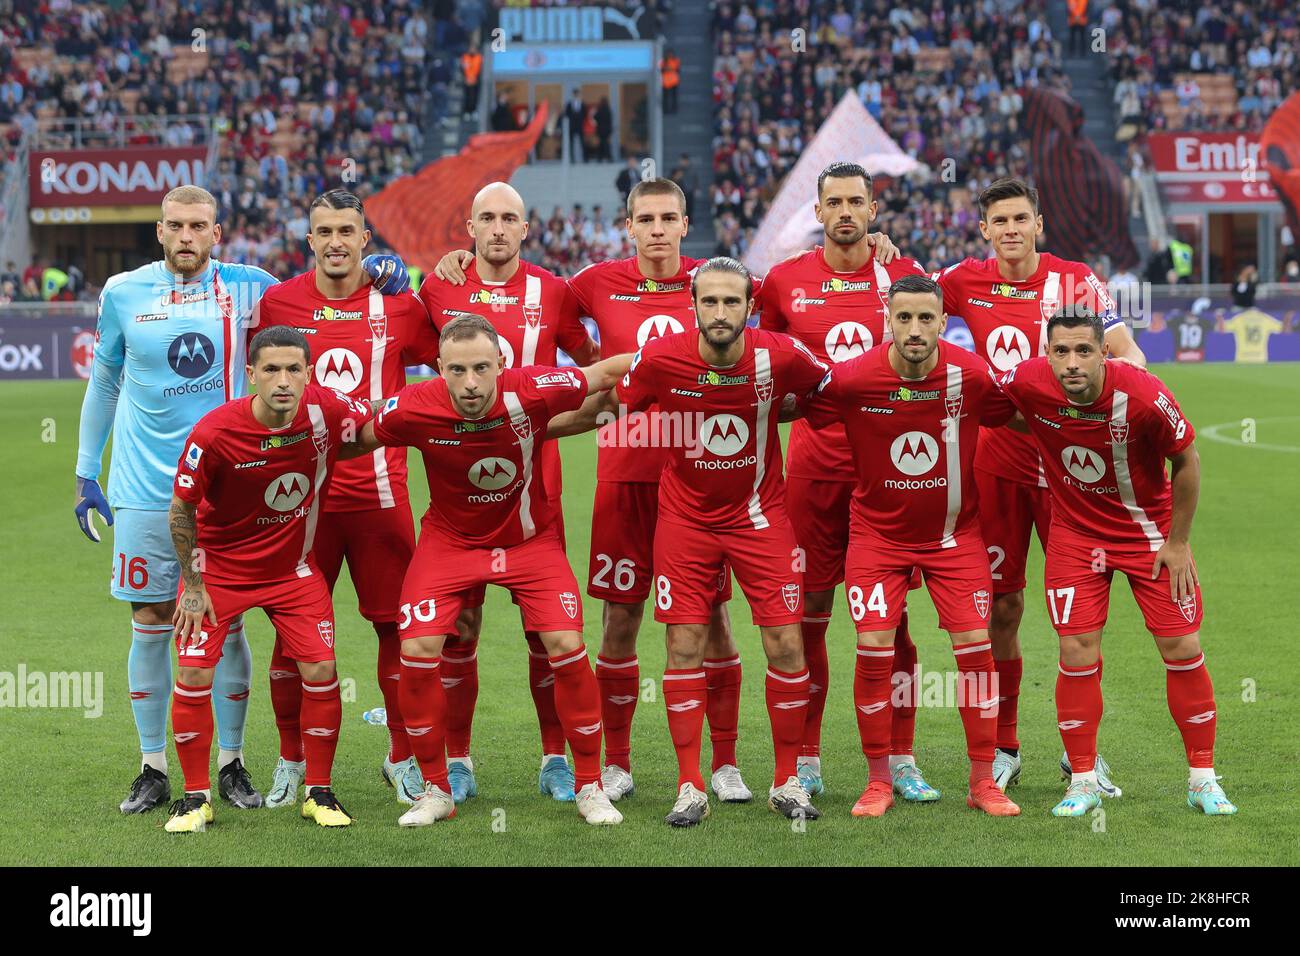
(256, 471)
(912, 410)
(1104, 430)
(491, 520)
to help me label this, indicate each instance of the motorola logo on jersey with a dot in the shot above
(914, 453)
(1083, 464)
(492, 473)
(287, 492)
(656, 326)
(1007, 346)
(191, 355)
(724, 435)
(339, 369)
(848, 340)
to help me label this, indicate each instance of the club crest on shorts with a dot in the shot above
(953, 404)
(326, 631)
(569, 601)
(764, 391)
(981, 599)
(523, 426)
(1187, 608)
(790, 594)
(1119, 432)
(379, 327)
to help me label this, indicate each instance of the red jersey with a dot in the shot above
(259, 490)
(1105, 462)
(361, 346)
(631, 310)
(724, 464)
(915, 470)
(1008, 321)
(534, 314)
(487, 488)
(839, 316)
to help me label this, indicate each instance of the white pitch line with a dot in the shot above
(1212, 432)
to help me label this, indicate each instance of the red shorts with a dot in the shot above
(877, 574)
(378, 546)
(475, 597)
(690, 563)
(1077, 581)
(443, 576)
(299, 609)
(819, 513)
(623, 520)
(1008, 510)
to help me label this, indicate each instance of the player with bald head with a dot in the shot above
(535, 315)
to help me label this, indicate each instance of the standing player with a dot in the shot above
(722, 502)
(912, 409)
(534, 315)
(363, 342)
(169, 348)
(1006, 301)
(1105, 430)
(245, 508)
(834, 299)
(491, 520)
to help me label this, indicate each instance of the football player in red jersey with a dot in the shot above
(534, 315)
(246, 506)
(491, 520)
(363, 342)
(1105, 430)
(1005, 301)
(912, 409)
(835, 300)
(719, 389)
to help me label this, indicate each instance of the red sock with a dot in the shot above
(1009, 672)
(1191, 704)
(1078, 712)
(871, 693)
(388, 669)
(541, 681)
(286, 701)
(977, 702)
(685, 694)
(577, 704)
(322, 713)
(903, 691)
(722, 675)
(460, 685)
(424, 705)
(819, 678)
(620, 685)
(787, 709)
(192, 731)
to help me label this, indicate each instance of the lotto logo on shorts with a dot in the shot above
(981, 598)
(326, 631)
(1187, 608)
(790, 594)
(569, 601)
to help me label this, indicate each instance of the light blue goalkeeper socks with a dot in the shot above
(230, 688)
(149, 679)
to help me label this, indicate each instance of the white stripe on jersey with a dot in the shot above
(532, 330)
(762, 377)
(883, 282)
(1051, 293)
(1123, 478)
(952, 455)
(231, 332)
(519, 421)
(319, 435)
(378, 346)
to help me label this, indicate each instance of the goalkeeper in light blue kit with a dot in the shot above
(169, 348)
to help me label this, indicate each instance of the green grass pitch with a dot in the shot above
(63, 774)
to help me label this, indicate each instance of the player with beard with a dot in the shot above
(169, 348)
(535, 315)
(363, 342)
(835, 299)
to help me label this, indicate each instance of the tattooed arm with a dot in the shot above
(194, 604)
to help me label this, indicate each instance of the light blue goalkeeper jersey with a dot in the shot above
(167, 352)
